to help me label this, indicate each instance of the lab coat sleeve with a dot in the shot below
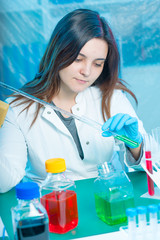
(131, 162)
(13, 153)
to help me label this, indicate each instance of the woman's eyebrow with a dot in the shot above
(82, 55)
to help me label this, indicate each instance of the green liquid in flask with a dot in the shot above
(112, 212)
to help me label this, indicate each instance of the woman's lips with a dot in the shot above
(81, 81)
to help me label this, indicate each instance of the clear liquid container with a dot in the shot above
(113, 193)
(58, 196)
(29, 217)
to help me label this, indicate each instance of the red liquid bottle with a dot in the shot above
(59, 198)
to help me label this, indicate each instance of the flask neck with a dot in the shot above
(57, 182)
(105, 168)
(25, 202)
(56, 176)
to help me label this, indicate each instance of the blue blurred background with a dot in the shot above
(26, 27)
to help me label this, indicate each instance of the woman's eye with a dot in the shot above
(98, 64)
(78, 60)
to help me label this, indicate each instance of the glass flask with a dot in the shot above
(59, 198)
(29, 217)
(113, 193)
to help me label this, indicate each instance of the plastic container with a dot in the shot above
(29, 217)
(143, 223)
(59, 197)
(113, 194)
(153, 219)
(131, 217)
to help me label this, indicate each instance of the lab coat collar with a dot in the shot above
(50, 115)
(78, 109)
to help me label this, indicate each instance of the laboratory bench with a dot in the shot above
(89, 224)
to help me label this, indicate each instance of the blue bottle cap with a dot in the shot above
(141, 210)
(131, 212)
(152, 208)
(27, 190)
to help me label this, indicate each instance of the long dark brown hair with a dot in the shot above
(72, 32)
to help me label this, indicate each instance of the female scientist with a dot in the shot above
(78, 73)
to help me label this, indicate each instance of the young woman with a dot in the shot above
(78, 73)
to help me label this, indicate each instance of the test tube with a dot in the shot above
(159, 219)
(153, 223)
(159, 212)
(142, 221)
(150, 169)
(131, 214)
(127, 140)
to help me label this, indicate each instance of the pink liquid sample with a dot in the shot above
(150, 169)
(62, 210)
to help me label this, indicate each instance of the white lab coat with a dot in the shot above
(23, 151)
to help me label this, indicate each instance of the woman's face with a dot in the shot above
(84, 71)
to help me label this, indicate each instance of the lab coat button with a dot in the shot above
(87, 142)
(77, 109)
(49, 112)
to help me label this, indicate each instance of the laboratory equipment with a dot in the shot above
(59, 197)
(131, 214)
(155, 133)
(152, 145)
(158, 217)
(150, 169)
(147, 148)
(83, 119)
(113, 193)
(143, 223)
(29, 217)
(153, 220)
(158, 211)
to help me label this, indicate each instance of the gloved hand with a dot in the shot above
(123, 124)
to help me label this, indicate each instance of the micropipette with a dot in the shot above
(83, 119)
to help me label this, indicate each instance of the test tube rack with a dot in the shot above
(155, 175)
(152, 143)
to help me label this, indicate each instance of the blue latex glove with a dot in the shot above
(122, 124)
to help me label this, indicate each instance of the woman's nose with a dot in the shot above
(86, 69)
